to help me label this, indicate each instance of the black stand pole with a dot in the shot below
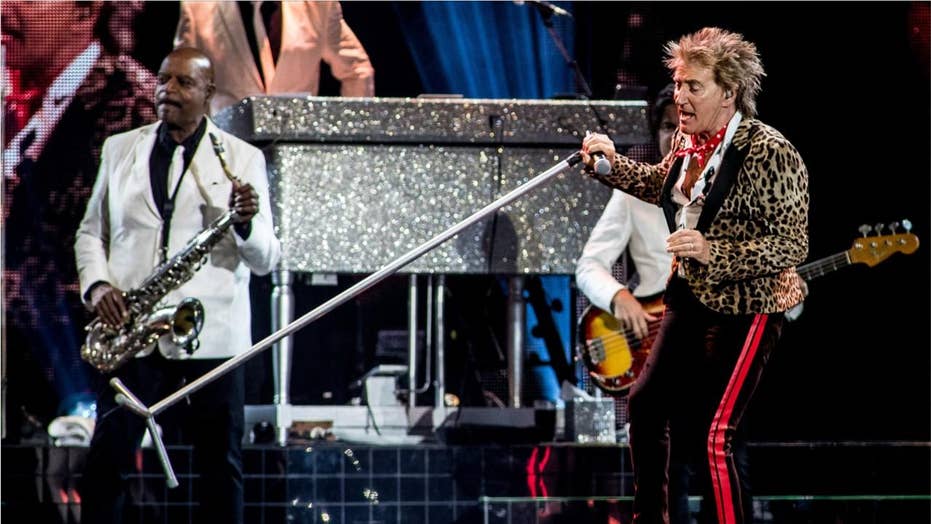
(547, 15)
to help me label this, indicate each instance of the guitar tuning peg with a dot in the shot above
(864, 229)
(893, 226)
(906, 225)
(879, 228)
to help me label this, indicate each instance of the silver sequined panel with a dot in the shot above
(356, 183)
(351, 208)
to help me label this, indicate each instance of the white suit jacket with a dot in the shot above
(310, 31)
(625, 222)
(119, 238)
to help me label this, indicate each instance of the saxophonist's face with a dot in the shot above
(183, 90)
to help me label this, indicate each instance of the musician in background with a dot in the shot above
(158, 186)
(629, 223)
(274, 47)
(735, 193)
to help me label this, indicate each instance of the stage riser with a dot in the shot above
(434, 483)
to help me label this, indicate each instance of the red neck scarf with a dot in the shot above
(703, 151)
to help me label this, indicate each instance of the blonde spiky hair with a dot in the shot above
(735, 62)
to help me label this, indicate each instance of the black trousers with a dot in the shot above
(688, 403)
(212, 422)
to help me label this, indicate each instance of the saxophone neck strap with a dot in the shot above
(165, 147)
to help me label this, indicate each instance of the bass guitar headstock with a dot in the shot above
(873, 249)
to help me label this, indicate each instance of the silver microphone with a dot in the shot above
(602, 165)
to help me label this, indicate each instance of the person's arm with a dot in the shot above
(90, 249)
(608, 239)
(255, 238)
(345, 55)
(184, 34)
(639, 179)
(606, 242)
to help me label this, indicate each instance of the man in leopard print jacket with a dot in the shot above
(735, 193)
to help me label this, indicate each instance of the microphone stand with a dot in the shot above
(126, 399)
(547, 14)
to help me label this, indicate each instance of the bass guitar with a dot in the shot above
(614, 357)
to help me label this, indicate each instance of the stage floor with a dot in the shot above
(433, 483)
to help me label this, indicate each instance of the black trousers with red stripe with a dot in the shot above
(688, 403)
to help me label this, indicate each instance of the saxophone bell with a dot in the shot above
(183, 322)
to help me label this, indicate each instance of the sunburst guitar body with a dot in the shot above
(614, 357)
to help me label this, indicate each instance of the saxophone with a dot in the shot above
(107, 347)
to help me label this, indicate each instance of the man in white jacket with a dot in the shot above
(158, 186)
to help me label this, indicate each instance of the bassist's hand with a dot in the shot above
(630, 313)
(107, 302)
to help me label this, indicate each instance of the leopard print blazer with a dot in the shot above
(755, 219)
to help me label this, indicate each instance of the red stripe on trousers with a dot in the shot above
(720, 477)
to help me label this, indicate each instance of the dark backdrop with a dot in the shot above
(848, 84)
